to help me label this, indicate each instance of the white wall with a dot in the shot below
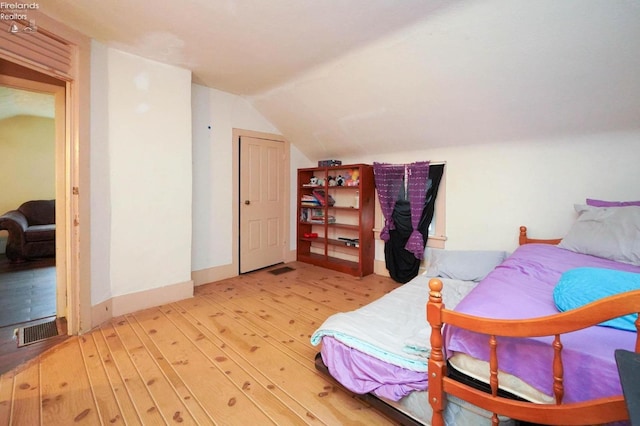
(215, 115)
(100, 177)
(150, 163)
(141, 184)
(493, 189)
(27, 161)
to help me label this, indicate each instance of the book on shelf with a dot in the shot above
(323, 197)
(320, 220)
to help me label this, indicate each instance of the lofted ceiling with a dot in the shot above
(346, 78)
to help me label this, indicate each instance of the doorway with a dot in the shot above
(61, 56)
(34, 291)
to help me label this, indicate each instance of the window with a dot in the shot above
(437, 228)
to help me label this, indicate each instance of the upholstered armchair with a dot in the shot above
(32, 230)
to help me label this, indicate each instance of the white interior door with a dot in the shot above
(262, 204)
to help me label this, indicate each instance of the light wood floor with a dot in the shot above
(238, 353)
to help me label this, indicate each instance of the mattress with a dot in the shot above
(390, 358)
(383, 347)
(415, 408)
(522, 287)
(457, 412)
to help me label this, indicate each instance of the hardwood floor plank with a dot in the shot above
(26, 397)
(283, 409)
(237, 353)
(179, 386)
(65, 391)
(167, 402)
(6, 397)
(120, 391)
(283, 341)
(223, 398)
(136, 388)
(108, 407)
(316, 392)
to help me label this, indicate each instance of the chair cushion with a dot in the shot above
(40, 233)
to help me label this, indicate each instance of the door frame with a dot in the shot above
(60, 177)
(77, 177)
(286, 216)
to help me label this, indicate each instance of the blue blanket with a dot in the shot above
(580, 286)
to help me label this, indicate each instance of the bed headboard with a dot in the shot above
(524, 239)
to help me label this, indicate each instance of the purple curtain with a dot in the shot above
(418, 176)
(388, 180)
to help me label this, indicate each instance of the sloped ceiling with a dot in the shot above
(352, 77)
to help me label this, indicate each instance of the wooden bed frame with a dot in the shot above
(596, 411)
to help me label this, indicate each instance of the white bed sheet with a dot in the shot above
(393, 328)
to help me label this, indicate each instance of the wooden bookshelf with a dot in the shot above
(336, 230)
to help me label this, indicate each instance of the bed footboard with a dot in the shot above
(601, 410)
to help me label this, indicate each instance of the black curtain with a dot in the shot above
(401, 263)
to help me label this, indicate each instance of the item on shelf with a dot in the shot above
(313, 181)
(310, 235)
(329, 163)
(340, 180)
(320, 220)
(323, 198)
(309, 201)
(350, 242)
(353, 179)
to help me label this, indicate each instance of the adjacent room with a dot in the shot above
(252, 205)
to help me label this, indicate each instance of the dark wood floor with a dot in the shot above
(27, 297)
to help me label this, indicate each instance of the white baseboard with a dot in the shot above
(101, 313)
(217, 273)
(380, 268)
(127, 303)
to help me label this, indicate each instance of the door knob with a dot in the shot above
(247, 202)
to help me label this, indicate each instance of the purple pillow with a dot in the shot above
(601, 203)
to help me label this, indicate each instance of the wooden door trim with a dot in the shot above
(235, 237)
(77, 129)
(60, 167)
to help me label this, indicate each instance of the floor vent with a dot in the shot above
(282, 270)
(36, 333)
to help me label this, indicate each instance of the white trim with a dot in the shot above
(133, 302)
(217, 273)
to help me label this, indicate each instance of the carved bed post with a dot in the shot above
(437, 366)
(523, 235)
(558, 370)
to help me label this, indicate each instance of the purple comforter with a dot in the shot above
(522, 287)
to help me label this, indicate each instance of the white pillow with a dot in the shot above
(465, 265)
(608, 232)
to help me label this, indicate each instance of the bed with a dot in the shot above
(505, 347)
